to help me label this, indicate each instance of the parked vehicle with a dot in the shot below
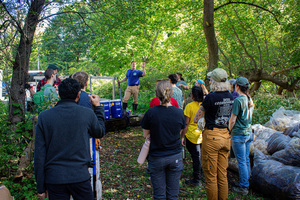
(33, 80)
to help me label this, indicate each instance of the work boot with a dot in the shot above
(134, 107)
(193, 182)
(124, 108)
(240, 190)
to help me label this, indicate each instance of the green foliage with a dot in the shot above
(267, 104)
(13, 141)
(25, 189)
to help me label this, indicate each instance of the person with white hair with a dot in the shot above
(217, 108)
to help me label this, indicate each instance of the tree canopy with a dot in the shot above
(256, 39)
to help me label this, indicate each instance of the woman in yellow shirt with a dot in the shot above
(192, 136)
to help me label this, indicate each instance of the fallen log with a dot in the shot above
(121, 123)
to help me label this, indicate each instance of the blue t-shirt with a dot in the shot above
(133, 77)
(85, 100)
(181, 82)
(165, 124)
(217, 106)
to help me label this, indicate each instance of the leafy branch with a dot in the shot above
(250, 4)
(18, 26)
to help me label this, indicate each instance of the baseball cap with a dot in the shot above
(219, 75)
(200, 82)
(53, 66)
(208, 74)
(232, 81)
(242, 81)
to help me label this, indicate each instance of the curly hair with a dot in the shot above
(173, 78)
(197, 93)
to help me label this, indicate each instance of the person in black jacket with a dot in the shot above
(62, 155)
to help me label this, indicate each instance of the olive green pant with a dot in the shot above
(215, 153)
(134, 90)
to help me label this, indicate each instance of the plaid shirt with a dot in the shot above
(44, 81)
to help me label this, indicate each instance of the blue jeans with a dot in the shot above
(241, 148)
(195, 151)
(165, 175)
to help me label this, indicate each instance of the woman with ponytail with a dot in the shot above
(163, 124)
(241, 132)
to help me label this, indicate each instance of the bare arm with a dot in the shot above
(232, 121)
(143, 66)
(200, 113)
(185, 87)
(183, 132)
(146, 133)
(125, 79)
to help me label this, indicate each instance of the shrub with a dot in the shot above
(13, 141)
(267, 104)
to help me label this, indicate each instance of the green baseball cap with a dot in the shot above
(242, 81)
(53, 66)
(219, 75)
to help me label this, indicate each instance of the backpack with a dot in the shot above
(38, 97)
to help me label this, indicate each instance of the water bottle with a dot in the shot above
(183, 153)
(144, 152)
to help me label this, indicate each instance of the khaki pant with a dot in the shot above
(215, 153)
(134, 90)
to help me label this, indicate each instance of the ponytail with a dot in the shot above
(164, 91)
(245, 90)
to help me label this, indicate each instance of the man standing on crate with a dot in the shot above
(133, 87)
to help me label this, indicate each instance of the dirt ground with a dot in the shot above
(123, 178)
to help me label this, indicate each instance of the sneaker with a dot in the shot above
(240, 190)
(193, 183)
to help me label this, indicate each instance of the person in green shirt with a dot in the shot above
(241, 133)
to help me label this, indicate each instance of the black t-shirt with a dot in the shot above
(218, 106)
(165, 124)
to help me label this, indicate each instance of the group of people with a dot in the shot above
(62, 152)
(62, 140)
(227, 124)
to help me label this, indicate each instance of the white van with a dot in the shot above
(34, 77)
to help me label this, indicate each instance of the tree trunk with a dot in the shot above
(280, 90)
(255, 87)
(21, 63)
(209, 31)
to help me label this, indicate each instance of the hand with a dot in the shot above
(95, 99)
(182, 142)
(119, 81)
(143, 64)
(44, 195)
(98, 143)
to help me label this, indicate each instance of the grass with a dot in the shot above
(123, 178)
